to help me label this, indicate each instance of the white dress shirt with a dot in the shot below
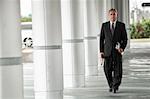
(114, 24)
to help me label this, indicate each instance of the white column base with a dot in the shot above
(11, 83)
(74, 67)
(91, 58)
(91, 71)
(74, 81)
(48, 76)
(49, 95)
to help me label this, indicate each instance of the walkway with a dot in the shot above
(135, 84)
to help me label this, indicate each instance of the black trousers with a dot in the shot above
(113, 69)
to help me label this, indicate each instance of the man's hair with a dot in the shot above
(113, 9)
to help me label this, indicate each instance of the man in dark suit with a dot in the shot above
(113, 40)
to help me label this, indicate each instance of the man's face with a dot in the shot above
(112, 16)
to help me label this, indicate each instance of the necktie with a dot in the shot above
(112, 28)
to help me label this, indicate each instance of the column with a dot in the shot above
(101, 12)
(90, 38)
(73, 46)
(126, 19)
(107, 6)
(47, 57)
(11, 69)
(101, 18)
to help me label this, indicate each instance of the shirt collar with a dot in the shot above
(113, 22)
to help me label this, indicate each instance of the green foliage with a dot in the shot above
(140, 29)
(27, 19)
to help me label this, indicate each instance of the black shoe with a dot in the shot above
(117, 89)
(110, 89)
(114, 91)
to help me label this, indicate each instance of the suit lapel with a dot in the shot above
(109, 29)
(116, 27)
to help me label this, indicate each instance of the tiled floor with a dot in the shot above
(135, 84)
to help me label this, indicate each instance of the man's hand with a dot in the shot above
(102, 55)
(120, 50)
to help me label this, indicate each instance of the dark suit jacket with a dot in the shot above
(108, 41)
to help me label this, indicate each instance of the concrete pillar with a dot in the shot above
(11, 70)
(101, 17)
(107, 6)
(47, 39)
(101, 12)
(90, 38)
(73, 46)
(126, 19)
